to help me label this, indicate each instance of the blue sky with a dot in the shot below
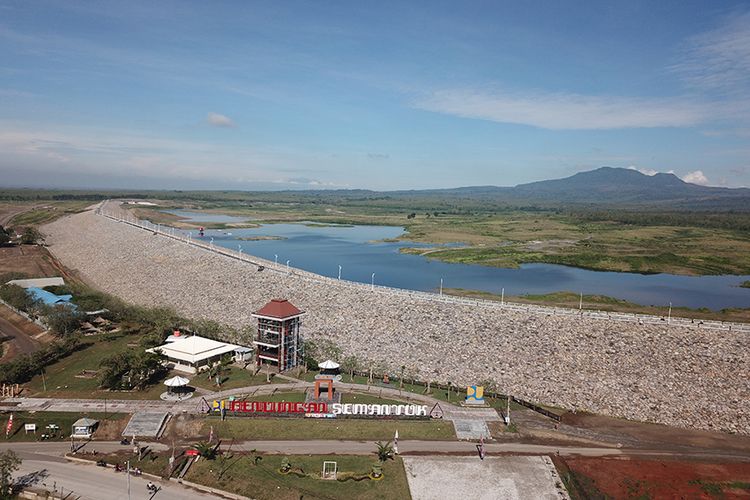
(377, 95)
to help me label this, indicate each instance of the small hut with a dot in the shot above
(83, 428)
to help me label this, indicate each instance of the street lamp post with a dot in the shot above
(339, 271)
(502, 296)
(441, 287)
(669, 316)
(287, 267)
(239, 251)
(275, 259)
(211, 243)
(372, 283)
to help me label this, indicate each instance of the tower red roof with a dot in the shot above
(279, 308)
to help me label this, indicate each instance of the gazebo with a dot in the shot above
(175, 383)
(329, 372)
(329, 367)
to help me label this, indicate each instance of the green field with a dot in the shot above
(256, 475)
(44, 212)
(63, 421)
(310, 428)
(263, 481)
(63, 379)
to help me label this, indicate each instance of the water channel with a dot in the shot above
(360, 251)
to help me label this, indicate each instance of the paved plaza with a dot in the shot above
(494, 478)
(146, 424)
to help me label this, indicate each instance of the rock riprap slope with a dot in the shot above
(670, 374)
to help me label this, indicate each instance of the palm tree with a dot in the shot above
(385, 451)
(206, 450)
(218, 370)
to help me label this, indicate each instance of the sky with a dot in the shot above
(375, 95)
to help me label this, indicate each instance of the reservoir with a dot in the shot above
(361, 251)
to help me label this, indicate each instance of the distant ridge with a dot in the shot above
(607, 186)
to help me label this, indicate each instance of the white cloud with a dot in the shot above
(696, 177)
(719, 59)
(565, 111)
(219, 120)
(645, 171)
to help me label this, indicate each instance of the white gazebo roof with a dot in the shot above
(328, 365)
(194, 349)
(176, 381)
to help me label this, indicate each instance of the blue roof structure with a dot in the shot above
(49, 298)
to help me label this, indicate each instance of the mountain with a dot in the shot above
(610, 186)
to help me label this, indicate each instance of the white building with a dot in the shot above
(193, 354)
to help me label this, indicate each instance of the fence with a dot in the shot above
(174, 234)
(396, 382)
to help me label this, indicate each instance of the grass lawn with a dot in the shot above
(310, 428)
(108, 426)
(242, 476)
(298, 397)
(62, 382)
(263, 481)
(236, 378)
(49, 212)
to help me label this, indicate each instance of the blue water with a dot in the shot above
(357, 250)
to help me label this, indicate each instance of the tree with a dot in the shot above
(350, 364)
(411, 215)
(218, 370)
(4, 236)
(9, 463)
(385, 451)
(63, 320)
(131, 370)
(17, 297)
(30, 236)
(206, 449)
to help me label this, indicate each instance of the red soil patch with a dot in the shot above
(625, 478)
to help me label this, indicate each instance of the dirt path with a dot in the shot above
(21, 333)
(7, 216)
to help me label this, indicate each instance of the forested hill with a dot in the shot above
(603, 188)
(607, 186)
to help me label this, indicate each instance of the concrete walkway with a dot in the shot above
(471, 421)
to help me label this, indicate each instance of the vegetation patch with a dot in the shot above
(309, 428)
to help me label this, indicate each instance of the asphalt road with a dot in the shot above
(45, 466)
(91, 482)
(21, 341)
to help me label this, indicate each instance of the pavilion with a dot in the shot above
(194, 353)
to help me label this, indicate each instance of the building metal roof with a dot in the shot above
(194, 349)
(85, 422)
(279, 309)
(49, 298)
(37, 282)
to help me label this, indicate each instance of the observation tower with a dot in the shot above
(279, 343)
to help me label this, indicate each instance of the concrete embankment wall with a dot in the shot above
(674, 374)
